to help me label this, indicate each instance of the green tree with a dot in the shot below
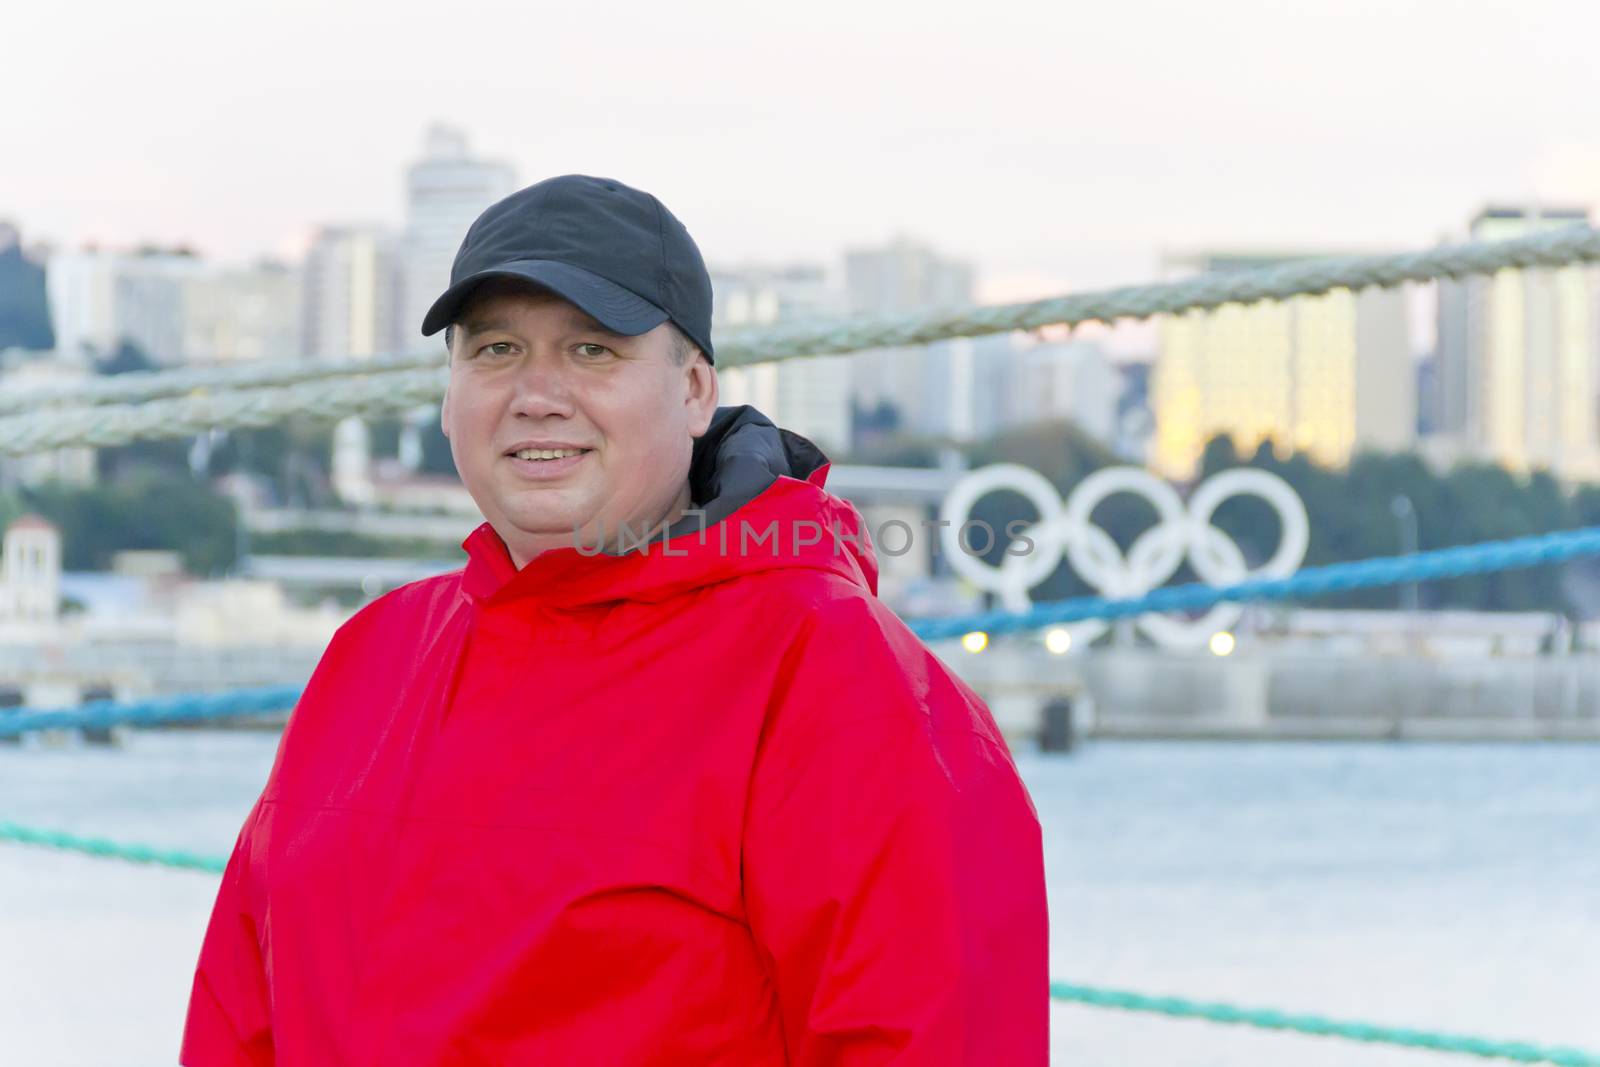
(1352, 517)
(1065, 455)
(127, 358)
(436, 456)
(152, 510)
(896, 450)
(294, 455)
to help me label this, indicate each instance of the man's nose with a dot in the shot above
(543, 388)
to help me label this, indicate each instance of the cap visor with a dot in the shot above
(617, 309)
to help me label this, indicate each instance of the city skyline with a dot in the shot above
(996, 136)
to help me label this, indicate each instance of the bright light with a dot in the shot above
(1222, 643)
(976, 641)
(1058, 641)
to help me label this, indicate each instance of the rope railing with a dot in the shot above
(1483, 558)
(172, 404)
(137, 386)
(1321, 1026)
(1090, 996)
(101, 848)
(1312, 277)
(185, 416)
(181, 403)
(164, 711)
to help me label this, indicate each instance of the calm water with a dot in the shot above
(1452, 887)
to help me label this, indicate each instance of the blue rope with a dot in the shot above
(1482, 558)
(102, 714)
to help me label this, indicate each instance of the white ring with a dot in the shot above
(972, 488)
(1180, 532)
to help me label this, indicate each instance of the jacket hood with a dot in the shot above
(760, 505)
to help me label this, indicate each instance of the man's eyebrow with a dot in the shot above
(577, 322)
(473, 327)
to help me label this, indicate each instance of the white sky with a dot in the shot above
(1058, 145)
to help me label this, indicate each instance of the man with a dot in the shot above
(704, 801)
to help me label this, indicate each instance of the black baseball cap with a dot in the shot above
(610, 249)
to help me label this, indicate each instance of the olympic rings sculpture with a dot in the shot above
(1182, 532)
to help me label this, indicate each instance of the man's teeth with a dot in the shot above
(548, 453)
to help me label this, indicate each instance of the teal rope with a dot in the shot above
(1176, 1007)
(1228, 1014)
(104, 849)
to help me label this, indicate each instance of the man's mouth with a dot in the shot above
(547, 453)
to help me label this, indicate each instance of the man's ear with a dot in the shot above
(702, 394)
(444, 413)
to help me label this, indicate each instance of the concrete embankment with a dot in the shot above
(1261, 695)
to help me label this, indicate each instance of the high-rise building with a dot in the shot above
(903, 276)
(242, 313)
(99, 299)
(445, 191)
(176, 307)
(1066, 380)
(1516, 374)
(153, 294)
(83, 315)
(1327, 375)
(996, 359)
(810, 396)
(932, 387)
(350, 306)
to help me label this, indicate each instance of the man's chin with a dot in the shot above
(546, 523)
(546, 531)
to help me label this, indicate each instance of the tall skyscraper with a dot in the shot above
(1327, 375)
(1066, 380)
(154, 291)
(810, 396)
(83, 312)
(1516, 373)
(98, 299)
(243, 313)
(350, 308)
(932, 387)
(903, 276)
(445, 191)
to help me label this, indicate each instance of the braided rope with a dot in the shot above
(137, 386)
(1309, 278)
(1320, 1026)
(185, 416)
(346, 388)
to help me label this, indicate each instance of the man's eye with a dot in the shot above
(592, 351)
(499, 348)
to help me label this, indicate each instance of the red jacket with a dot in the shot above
(651, 808)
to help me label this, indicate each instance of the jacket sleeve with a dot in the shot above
(893, 863)
(229, 1021)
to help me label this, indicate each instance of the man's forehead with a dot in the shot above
(501, 307)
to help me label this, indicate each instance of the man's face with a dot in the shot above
(529, 371)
